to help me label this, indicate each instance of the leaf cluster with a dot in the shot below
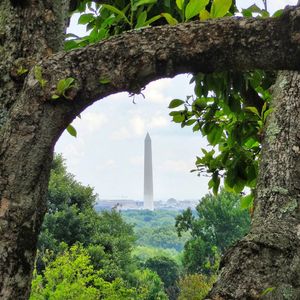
(230, 110)
(216, 224)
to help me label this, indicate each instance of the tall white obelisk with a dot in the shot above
(148, 176)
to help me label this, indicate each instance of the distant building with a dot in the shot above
(130, 204)
(118, 204)
(148, 175)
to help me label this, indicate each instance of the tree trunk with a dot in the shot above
(269, 256)
(29, 128)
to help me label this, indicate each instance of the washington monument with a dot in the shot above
(148, 176)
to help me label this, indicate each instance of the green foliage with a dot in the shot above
(149, 285)
(230, 110)
(194, 7)
(161, 237)
(143, 253)
(72, 219)
(39, 76)
(115, 17)
(109, 240)
(220, 8)
(104, 80)
(71, 130)
(62, 88)
(217, 223)
(64, 190)
(72, 276)
(195, 286)
(254, 10)
(84, 254)
(156, 229)
(21, 70)
(166, 268)
(267, 291)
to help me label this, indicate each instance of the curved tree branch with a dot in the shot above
(131, 60)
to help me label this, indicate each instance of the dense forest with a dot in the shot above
(85, 254)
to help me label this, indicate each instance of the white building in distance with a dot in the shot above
(148, 174)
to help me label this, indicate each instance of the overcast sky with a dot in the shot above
(108, 151)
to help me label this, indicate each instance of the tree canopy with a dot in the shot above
(217, 223)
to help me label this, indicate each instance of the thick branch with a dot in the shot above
(133, 59)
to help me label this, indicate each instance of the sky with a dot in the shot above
(108, 151)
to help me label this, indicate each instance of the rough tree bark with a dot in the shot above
(269, 256)
(31, 37)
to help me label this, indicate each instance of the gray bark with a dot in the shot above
(27, 135)
(269, 256)
(31, 34)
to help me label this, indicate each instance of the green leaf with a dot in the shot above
(204, 15)
(214, 135)
(85, 19)
(64, 84)
(72, 131)
(253, 110)
(196, 127)
(247, 202)
(22, 71)
(263, 109)
(38, 76)
(267, 291)
(104, 80)
(254, 9)
(116, 11)
(234, 104)
(169, 19)
(220, 8)
(190, 122)
(178, 118)
(277, 13)
(179, 4)
(142, 2)
(266, 113)
(214, 183)
(246, 13)
(70, 44)
(141, 19)
(38, 73)
(175, 113)
(55, 97)
(152, 20)
(175, 103)
(194, 7)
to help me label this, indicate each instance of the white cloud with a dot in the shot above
(176, 166)
(159, 122)
(110, 163)
(137, 160)
(120, 134)
(105, 165)
(90, 122)
(136, 128)
(137, 124)
(156, 91)
(160, 85)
